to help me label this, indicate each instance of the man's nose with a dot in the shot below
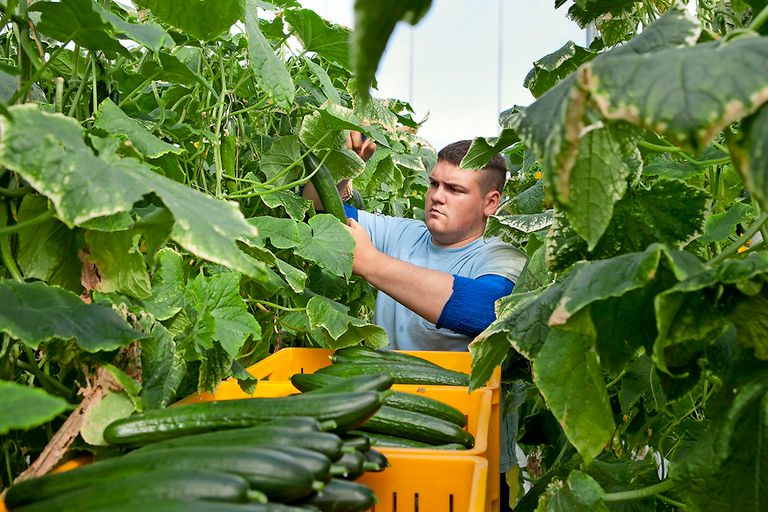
(438, 195)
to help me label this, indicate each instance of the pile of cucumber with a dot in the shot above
(260, 454)
(405, 420)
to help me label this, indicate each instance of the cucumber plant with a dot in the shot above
(633, 346)
(153, 237)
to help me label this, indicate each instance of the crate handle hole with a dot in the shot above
(394, 502)
(416, 502)
(450, 503)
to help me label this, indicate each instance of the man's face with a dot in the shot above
(456, 208)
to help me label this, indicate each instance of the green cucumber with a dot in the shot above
(402, 373)
(428, 406)
(353, 464)
(357, 440)
(331, 384)
(417, 426)
(342, 496)
(363, 354)
(192, 506)
(316, 463)
(376, 457)
(261, 435)
(326, 189)
(321, 383)
(348, 410)
(269, 471)
(386, 441)
(187, 484)
(303, 423)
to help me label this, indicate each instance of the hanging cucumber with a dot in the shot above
(325, 187)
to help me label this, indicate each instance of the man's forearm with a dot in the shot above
(422, 290)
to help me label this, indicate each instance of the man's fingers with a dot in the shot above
(367, 149)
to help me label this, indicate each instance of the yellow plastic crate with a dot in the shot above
(284, 363)
(430, 483)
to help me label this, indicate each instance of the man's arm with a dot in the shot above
(424, 291)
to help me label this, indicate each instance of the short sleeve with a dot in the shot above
(500, 259)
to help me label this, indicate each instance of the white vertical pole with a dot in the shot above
(500, 67)
(411, 64)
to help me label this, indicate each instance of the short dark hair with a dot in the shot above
(494, 173)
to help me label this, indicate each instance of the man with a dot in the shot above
(438, 279)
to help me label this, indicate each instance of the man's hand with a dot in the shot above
(365, 253)
(364, 147)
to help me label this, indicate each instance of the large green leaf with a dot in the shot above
(168, 285)
(213, 239)
(220, 295)
(552, 68)
(620, 291)
(281, 233)
(598, 280)
(325, 241)
(584, 12)
(24, 407)
(374, 22)
(79, 21)
(488, 352)
(114, 121)
(49, 152)
(517, 228)
(687, 94)
(720, 226)
(521, 323)
(677, 28)
(551, 127)
(151, 35)
(596, 182)
(268, 68)
(567, 372)
(751, 156)
(294, 205)
(201, 19)
(579, 493)
(281, 155)
(320, 36)
(113, 406)
(169, 68)
(484, 148)
(726, 468)
(692, 314)
(341, 330)
(325, 81)
(35, 313)
(120, 264)
(751, 320)
(47, 251)
(641, 381)
(667, 211)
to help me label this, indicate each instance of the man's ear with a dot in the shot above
(492, 201)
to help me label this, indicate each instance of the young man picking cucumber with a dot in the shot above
(438, 279)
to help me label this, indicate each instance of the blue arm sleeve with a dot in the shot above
(351, 211)
(469, 309)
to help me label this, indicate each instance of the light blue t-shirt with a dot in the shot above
(411, 241)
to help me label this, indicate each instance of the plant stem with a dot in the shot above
(758, 20)
(637, 494)
(15, 192)
(48, 383)
(5, 247)
(273, 305)
(6, 230)
(26, 86)
(733, 248)
(674, 503)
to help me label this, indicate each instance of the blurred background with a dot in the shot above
(465, 61)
